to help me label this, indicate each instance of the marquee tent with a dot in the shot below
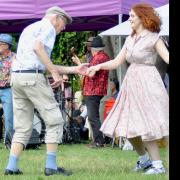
(87, 15)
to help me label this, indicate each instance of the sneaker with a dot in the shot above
(154, 170)
(143, 166)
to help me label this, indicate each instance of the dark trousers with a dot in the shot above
(92, 104)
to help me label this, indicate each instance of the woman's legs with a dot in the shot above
(153, 150)
(144, 161)
(138, 145)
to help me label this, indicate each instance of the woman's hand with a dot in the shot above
(91, 71)
(81, 69)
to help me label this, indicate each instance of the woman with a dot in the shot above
(141, 110)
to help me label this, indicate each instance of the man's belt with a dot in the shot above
(29, 71)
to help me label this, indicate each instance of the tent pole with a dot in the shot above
(119, 69)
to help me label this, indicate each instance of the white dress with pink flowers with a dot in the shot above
(142, 106)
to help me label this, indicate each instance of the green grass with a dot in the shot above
(87, 164)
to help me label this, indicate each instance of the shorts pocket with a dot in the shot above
(52, 114)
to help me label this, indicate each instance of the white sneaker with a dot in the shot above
(143, 166)
(154, 170)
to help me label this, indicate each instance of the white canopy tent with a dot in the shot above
(124, 29)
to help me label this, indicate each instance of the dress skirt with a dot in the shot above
(141, 108)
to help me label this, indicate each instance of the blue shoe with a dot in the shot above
(143, 166)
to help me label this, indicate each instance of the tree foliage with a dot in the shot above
(62, 55)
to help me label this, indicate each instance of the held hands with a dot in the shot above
(85, 71)
(91, 71)
(82, 68)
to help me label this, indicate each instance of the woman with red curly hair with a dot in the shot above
(141, 110)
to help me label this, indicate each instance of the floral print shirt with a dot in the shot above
(5, 69)
(97, 85)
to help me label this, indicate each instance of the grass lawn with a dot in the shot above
(87, 164)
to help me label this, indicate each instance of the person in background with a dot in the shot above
(88, 55)
(141, 110)
(114, 86)
(66, 91)
(66, 88)
(6, 57)
(94, 88)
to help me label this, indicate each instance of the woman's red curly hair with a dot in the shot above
(149, 17)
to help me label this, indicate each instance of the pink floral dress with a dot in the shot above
(142, 106)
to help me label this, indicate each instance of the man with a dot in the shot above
(67, 95)
(31, 88)
(76, 60)
(94, 89)
(6, 56)
(88, 55)
(66, 87)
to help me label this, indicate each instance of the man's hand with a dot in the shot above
(57, 79)
(81, 69)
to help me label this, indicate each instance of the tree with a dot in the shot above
(61, 54)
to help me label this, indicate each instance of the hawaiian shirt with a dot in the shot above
(26, 58)
(97, 85)
(5, 69)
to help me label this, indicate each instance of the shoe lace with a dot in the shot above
(138, 165)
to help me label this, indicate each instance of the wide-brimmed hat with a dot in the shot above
(97, 42)
(90, 39)
(6, 38)
(59, 11)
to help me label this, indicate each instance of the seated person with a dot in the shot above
(114, 86)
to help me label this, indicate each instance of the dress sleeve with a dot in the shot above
(154, 39)
(126, 42)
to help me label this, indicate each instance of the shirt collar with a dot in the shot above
(144, 33)
(49, 22)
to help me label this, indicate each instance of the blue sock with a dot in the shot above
(51, 160)
(12, 164)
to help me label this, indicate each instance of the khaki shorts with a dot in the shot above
(32, 90)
